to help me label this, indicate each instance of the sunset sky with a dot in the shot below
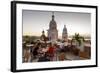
(36, 21)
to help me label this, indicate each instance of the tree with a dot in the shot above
(78, 38)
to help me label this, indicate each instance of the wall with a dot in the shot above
(5, 36)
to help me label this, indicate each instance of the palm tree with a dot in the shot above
(78, 39)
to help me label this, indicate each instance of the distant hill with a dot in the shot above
(30, 38)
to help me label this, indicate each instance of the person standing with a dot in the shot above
(51, 52)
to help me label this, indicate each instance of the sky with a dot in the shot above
(34, 22)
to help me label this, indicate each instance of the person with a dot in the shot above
(31, 52)
(40, 51)
(36, 48)
(44, 58)
(62, 53)
(50, 51)
(55, 46)
(62, 56)
(26, 55)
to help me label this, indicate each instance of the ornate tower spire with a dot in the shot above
(43, 37)
(52, 31)
(65, 34)
(43, 32)
(53, 16)
(65, 29)
(64, 26)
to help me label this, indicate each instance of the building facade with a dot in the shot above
(43, 37)
(65, 34)
(52, 31)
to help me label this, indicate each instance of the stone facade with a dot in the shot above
(65, 34)
(43, 37)
(52, 31)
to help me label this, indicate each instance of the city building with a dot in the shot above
(43, 37)
(52, 31)
(65, 34)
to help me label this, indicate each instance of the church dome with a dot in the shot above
(52, 23)
(65, 29)
(43, 37)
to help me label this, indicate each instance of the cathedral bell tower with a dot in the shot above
(65, 34)
(52, 31)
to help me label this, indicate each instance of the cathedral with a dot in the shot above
(52, 31)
